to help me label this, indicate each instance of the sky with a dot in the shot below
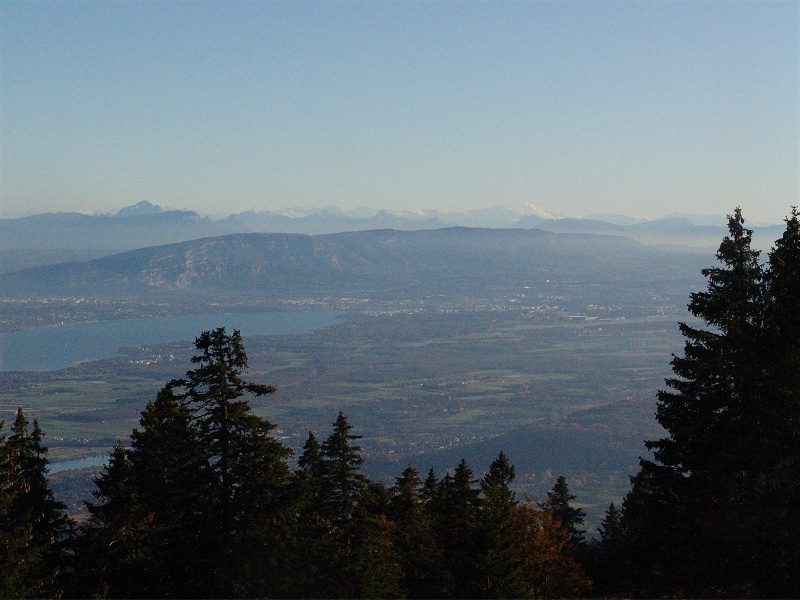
(637, 108)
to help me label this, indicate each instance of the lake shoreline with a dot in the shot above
(52, 348)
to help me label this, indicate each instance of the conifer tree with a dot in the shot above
(782, 319)
(501, 563)
(342, 482)
(174, 485)
(455, 521)
(229, 431)
(719, 372)
(249, 470)
(359, 540)
(606, 555)
(34, 529)
(113, 547)
(151, 507)
(311, 459)
(197, 500)
(610, 526)
(378, 567)
(345, 538)
(776, 556)
(12, 534)
(414, 539)
(307, 535)
(429, 487)
(559, 503)
(728, 413)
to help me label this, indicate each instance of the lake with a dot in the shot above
(59, 346)
(79, 463)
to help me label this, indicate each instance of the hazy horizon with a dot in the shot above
(578, 108)
(364, 212)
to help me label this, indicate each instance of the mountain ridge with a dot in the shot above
(456, 259)
(41, 239)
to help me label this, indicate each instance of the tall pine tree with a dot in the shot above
(344, 541)
(113, 548)
(691, 522)
(501, 562)
(775, 529)
(34, 529)
(414, 539)
(249, 470)
(197, 501)
(559, 502)
(455, 508)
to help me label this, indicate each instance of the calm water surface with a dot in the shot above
(80, 463)
(59, 346)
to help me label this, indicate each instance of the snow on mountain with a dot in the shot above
(137, 210)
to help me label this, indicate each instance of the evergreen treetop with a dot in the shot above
(731, 414)
(35, 532)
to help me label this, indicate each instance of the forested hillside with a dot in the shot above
(204, 502)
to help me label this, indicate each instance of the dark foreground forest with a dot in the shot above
(203, 501)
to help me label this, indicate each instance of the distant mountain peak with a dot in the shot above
(141, 208)
(537, 211)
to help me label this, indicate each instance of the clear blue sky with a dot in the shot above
(641, 108)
